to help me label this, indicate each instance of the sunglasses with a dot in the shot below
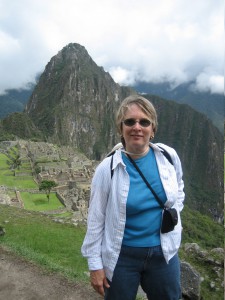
(132, 122)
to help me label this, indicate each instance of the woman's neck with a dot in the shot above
(138, 154)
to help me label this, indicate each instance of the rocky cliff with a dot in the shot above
(75, 102)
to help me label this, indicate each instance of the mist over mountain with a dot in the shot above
(75, 101)
(212, 105)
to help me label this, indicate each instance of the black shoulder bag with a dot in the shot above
(170, 217)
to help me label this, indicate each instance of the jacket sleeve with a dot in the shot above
(180, 182)
(179, 173)
(91, 248)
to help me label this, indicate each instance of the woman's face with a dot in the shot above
(136, 137)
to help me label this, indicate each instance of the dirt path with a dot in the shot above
(22, 280)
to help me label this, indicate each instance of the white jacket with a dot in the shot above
(107, 211)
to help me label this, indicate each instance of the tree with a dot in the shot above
(14, 162)
(47, 185)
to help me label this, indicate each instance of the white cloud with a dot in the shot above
(175, 40)
(122, 75)
(210, 83)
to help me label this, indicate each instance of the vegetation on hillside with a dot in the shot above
(14, 160)
(17, 125)
(199, 228)
(15, 100)
(212, 105)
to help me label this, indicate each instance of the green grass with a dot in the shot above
(201, 229)
(39, 239)
(26, 182)
(3, 159)
(39, 202)
(8, 179)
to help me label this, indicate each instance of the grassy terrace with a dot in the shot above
(36, 237)
(39, 202)
(8, 179)
(32, 201)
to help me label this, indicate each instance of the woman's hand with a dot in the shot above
(98, 281)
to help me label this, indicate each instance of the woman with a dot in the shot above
(124, 244)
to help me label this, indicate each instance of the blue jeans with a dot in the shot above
(147, 267)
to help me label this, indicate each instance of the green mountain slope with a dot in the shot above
(15, 100)
(212, 105)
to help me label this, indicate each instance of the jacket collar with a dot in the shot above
(117, 155)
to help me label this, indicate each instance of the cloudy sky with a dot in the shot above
(149, 40)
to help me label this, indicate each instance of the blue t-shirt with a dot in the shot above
(143, 212)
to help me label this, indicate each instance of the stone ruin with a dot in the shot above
(71, 170)
(4, 198)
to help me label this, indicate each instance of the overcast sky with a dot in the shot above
(150, 40)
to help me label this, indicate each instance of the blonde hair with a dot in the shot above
(144, 104)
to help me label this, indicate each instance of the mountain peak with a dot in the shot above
(72, 91)
(72, 52)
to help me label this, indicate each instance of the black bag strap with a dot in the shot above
(146, 182)
(166, 154)
(111, 166)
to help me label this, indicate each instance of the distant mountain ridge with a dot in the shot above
(14, 100)
(212, 105)
(75, 101)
